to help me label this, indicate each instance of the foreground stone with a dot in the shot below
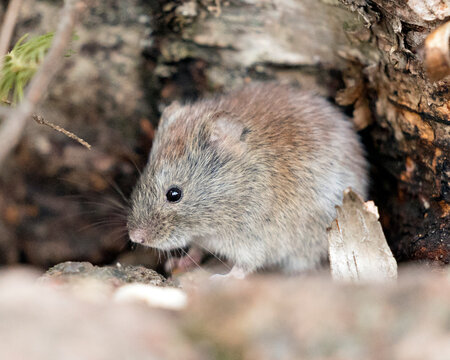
(123, 283)
(262, 317)
(115, 275)
(41, 322)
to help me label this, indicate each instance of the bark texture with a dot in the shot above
(410, 137)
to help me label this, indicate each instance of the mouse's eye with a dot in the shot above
(174, 194)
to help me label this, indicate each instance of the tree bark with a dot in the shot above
(411, 135)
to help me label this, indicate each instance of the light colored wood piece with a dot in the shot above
(357, 247)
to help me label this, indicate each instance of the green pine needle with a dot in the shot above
(21, 63)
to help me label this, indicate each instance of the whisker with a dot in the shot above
(100, 224)
(169, 258)
(105, 205)
(121, 231)
(125, 243)
(164, 256)
(114, 185)
(134, 163)
(77, 214)
(98, 192)
(114, 202)
(190, 257)
(113, 215)
(117, 237)
(218, 258)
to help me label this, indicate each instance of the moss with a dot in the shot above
(21, 63)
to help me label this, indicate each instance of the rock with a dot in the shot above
(118, 275)
(154, 296)
(311, 317)
(123, 283)
(39, 322)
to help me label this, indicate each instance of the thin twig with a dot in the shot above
(9, 22)
(42, 121)
(12, 128)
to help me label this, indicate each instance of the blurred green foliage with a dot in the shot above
(21, 63)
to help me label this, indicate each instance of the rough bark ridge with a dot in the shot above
(199, 46)
(411, 134)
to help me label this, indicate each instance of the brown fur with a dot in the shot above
(261, 171)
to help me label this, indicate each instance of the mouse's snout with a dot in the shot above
(150, 234)
(137, 236)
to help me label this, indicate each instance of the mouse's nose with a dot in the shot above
(137, 236)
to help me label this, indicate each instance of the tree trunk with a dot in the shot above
(411, 134)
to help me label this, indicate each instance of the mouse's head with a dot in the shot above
(194, 183)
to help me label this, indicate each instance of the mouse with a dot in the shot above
(252, 176)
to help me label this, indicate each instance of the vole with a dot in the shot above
(253, 176)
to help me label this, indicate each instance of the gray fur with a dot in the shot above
(261, 171)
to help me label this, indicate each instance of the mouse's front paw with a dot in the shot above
(189, 261)
(218, 277)
(171, 264)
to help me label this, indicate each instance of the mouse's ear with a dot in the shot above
(228, 132)
(169, 114)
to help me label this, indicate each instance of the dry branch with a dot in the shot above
(42, 121)
(8, 26)
(12, 127)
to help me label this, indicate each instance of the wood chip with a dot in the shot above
(357, 246)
